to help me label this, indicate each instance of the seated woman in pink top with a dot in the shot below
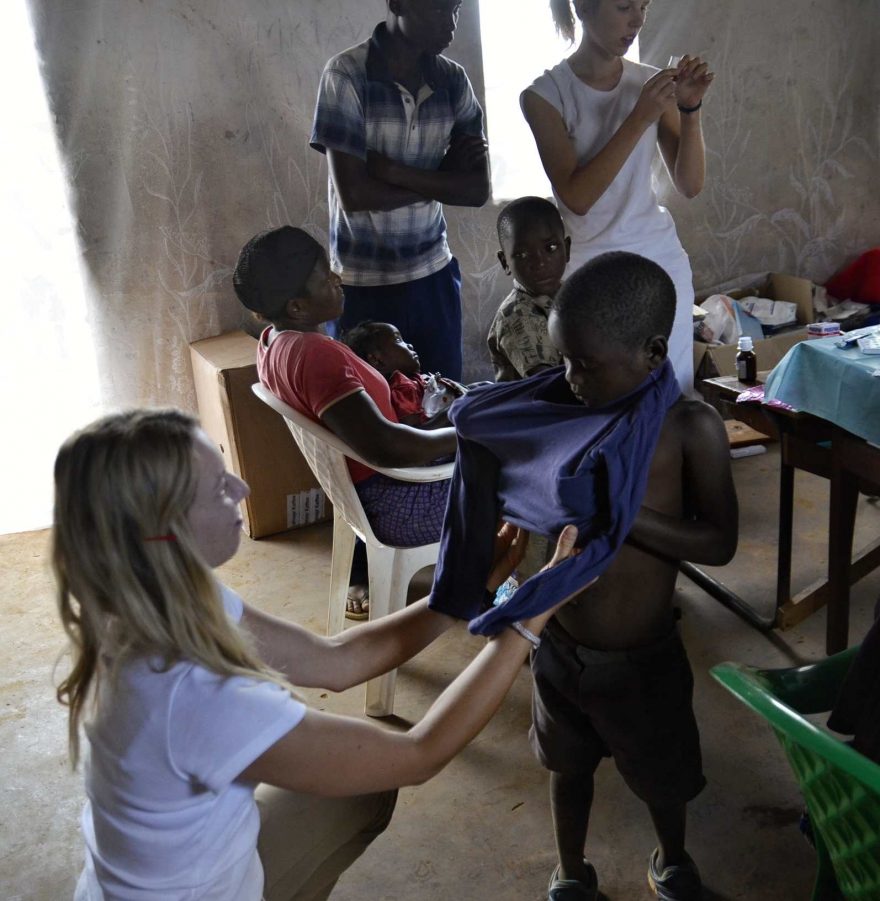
(283, 276)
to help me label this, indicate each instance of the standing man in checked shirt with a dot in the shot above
(403, 134)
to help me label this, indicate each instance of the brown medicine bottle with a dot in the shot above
(746, 361)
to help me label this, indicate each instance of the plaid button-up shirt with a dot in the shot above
(360, 108)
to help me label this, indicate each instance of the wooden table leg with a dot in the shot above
(841, 525)
(786, 525)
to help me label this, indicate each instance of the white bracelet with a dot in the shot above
(528, 635)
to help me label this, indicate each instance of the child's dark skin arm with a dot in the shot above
(709, 531)
(456, 388)
(359, 423)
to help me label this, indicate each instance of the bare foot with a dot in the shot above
(357, 602)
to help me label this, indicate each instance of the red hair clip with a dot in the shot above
(161, 538)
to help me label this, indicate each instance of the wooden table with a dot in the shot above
(807, 443)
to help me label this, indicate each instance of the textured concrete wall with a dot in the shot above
(185, 124)
(792, 129)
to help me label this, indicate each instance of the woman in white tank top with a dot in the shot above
(597, 120)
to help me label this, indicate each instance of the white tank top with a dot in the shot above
(627, 216)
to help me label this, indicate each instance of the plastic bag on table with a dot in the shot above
(721, 321)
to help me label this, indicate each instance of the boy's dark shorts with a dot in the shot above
(634, 705)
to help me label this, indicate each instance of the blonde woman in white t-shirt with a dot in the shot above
(598, 120)
(185, 692)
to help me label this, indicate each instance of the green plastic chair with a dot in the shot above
(840, 785)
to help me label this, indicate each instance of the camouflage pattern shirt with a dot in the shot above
(518, 340)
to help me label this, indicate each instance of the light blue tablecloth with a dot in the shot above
(836, 384)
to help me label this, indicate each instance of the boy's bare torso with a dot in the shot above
(631, 603)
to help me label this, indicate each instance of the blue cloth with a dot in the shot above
(833, 383)
(531, 453)
(427, 312)
(359, 109)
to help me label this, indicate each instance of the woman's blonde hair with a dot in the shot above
(563, 12)
(129, 574)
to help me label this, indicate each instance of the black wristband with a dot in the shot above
(687, 110)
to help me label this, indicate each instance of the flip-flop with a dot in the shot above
(573, 889)
(364, 598)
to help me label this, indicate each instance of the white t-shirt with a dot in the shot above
(164, 818)
(627, 216)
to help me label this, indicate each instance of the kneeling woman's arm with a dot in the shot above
(357, 654)
(363, 652)
(338, 755)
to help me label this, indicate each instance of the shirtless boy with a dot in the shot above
(611, 676)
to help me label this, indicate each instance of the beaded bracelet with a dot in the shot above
(526, 633)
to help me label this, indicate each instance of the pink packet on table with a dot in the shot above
(755, 395)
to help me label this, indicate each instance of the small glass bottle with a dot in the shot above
(746, 361)
(507, 589)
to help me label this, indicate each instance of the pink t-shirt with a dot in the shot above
(311, 372)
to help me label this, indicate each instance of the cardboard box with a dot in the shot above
(254, 440)
(711, 361)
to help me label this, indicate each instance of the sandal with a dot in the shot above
(357, 602)
(574, 889)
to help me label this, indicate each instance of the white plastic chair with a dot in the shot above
(391, 568)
